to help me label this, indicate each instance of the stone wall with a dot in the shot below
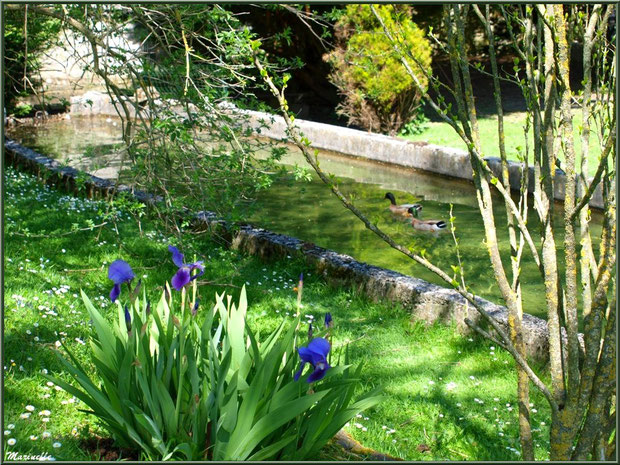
(66, 68)
(426, 301)
(419, 155)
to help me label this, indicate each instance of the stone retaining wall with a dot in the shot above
(426, 301)
(419, 155)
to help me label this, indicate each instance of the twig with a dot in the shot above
(459, 453)
(89, 228)
(484, 333)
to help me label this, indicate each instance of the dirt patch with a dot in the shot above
(106, 449)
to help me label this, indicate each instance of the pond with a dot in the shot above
(308, 210)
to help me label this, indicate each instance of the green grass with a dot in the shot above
(444, 392)
(440, 133)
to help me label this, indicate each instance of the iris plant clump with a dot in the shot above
(201, 386)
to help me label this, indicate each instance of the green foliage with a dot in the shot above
(378, 93)
(22, 48)
(175, 388)
(23, 109)
(417, 125)
(195, 149)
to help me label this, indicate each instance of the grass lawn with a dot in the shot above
(447, 397)
(440, 133)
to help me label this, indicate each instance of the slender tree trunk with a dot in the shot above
(515, 316)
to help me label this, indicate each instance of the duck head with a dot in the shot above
(390, 197)
(415, 210)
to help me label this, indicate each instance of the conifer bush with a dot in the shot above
(378, 94)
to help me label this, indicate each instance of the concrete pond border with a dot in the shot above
(355, 143)
(427, 302)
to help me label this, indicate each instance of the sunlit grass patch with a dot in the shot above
(448, 397)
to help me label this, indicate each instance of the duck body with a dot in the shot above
(425, 225)
(403, 209)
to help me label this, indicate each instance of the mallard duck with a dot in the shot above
(400, 209)
(425, 225)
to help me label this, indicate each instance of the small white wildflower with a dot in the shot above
(46, 434)
(30, 408)
(11, 441)
(56, 445)
(47, 413)
(11, 426)
(7, 432)
(23, 416)
(33, 437)
(49, 383)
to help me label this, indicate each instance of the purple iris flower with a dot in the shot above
(316, 355)
(184, 275)
(120, 272)
(328, 320)
(127, 319)
(195, 307)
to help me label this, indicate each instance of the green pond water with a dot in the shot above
(309, 211)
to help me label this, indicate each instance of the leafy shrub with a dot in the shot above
(417, 125)
(179, 388)
(23, 109)
(378, 94)
(23, 49)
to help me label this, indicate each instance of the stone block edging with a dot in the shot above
(427, 302)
